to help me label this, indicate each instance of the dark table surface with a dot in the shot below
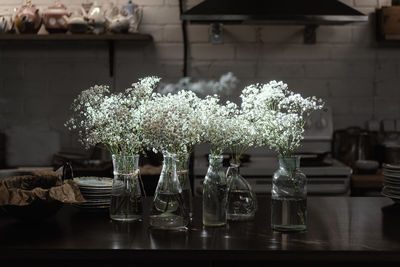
(364, 229)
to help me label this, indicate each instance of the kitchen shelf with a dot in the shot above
(77, 37)
(67, 37)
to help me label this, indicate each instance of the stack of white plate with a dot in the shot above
(391, 181)
(96, 191)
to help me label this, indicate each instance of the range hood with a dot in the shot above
(304, 12)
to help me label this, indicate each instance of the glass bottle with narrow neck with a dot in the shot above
(168, 210)
(214, 193)
(182, 167)
(242, 201)
(289, 196)
(126, 194)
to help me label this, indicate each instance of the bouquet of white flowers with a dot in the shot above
(278, 115)
(170, 122)
(111, 119)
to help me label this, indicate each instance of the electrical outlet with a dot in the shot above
(216, 33)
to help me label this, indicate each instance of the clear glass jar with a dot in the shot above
(242, 201)
(182, 167)
(168, 210)
(289, 196)
(214, 193)
(126, 194)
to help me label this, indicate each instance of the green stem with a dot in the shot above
(297, 191)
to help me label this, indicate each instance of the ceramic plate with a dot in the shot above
(392, 185)
(94, 182)
(103, 195)
(394, 198)
(392, 191)
(95, 191)
(93, 200)
(391, 166)
(391, 179)
(390, 172)
(391, 175)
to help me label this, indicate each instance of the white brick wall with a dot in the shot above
(358, 78)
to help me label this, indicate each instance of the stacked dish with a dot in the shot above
(391, 181)
(96, 191)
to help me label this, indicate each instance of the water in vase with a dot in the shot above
(289, 214)
(167, 211)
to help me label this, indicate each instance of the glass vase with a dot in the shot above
(126, 194)
(242, 201)
(214, 193)
(182, 167)
(168, 210)
(289, 196)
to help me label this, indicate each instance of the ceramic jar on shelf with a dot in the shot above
(116, 21)
(6, 21)
(96, 18)
(134, 13)
(77, 23)
(28, 18)
(125, 19)
(55, 18)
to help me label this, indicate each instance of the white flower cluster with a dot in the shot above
(216, 123)
(111, 119)
(270, 114)
(241, 134)
(226, 84)
(278, 114)
(170, 122)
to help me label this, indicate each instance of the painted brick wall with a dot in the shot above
(358, 78)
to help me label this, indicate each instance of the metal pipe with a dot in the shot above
(185, 40)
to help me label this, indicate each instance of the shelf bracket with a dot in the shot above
(310, 34)
(111, 52)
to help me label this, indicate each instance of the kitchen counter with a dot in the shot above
(362, 184)
(340, 229)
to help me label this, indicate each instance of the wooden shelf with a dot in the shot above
(140, 37)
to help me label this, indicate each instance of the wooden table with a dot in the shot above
(340, 229)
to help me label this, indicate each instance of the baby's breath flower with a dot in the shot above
(278, 115)
(170, 122)
(111, 119)
(215, 120)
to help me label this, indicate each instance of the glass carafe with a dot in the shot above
(214, 193)
(289, 196)
(242, 201)
(182, 167)
(168, 210)
(126, 194)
